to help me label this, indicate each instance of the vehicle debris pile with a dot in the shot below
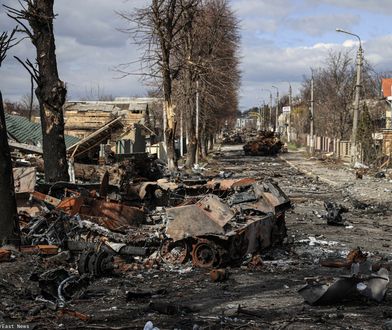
(127, 249)
(170, 217)
(83, 232)
(223, 232)
(233, 138)
(265, 144)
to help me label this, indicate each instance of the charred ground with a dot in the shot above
(261, 297)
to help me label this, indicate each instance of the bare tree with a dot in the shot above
(156, 28)
(96, 93)
(9, 229)
(334, 94)
(51, 91)
(211, 70)
(221, 82)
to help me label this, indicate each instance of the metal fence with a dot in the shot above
(340, 148)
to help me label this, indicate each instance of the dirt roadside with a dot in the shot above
(369, 191)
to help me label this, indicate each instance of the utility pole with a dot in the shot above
(197, 123)
(312, 115)
(181, 135)
(354, 143)
(290, 105)
(164, 119)
(276, 128)
(270, 112)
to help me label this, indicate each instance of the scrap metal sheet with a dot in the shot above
(208, 216)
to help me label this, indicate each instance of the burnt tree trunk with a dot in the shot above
(170, 130)
(9, 229)
(167, 81)
(50, 91)
(211, 142)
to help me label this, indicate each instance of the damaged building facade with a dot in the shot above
(123, 126)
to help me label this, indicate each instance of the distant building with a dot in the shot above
(386, 85)
(387, 133)
(245, 123)
(387, 94)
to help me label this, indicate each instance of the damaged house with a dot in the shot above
(107, 128)
(26, 135)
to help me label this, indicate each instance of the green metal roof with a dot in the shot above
(25, 131)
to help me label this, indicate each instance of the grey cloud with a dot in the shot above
(88, 47)
(267, 65)
(379, 53)
(319, 25)
(277, 8)
(377, 6)
(91, 22)
(275, 64)
(262, 16)
(260, 25)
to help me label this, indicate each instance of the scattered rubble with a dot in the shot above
(130, 246)
(109, 228)
(219, 275)
(232, 138)
(372, 286)
(334, 213)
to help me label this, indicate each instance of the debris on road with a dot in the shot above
(361, 280)
(108, 230)
(218, 235)
(5, 255)
(265, 144)
(354, 256)
(334, 213)
(129, 246)
(219, 275)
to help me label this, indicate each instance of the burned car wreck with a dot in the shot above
(214, 233)
(211, 231)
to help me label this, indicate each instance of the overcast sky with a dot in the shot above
(281, 41)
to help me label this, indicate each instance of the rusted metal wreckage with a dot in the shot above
(265, 144)
(366, 279)
(184, 219)
(214, 233)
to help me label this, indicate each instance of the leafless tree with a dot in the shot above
(157, 29)
(9, 229)
(96, 93)
(221, 83)
(51, 91)
(334, 94)
(211, 69)
(190, 43)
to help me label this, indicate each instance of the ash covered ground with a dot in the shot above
(261, 294)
